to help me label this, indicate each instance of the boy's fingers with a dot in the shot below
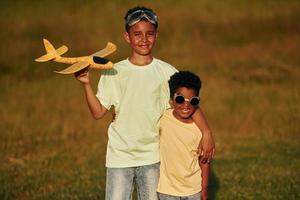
(207, 156)
(213, 153)
(204, 158)
(200, 152)
(82, 72)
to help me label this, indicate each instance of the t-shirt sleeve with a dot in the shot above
(106, 92)
(165, 94)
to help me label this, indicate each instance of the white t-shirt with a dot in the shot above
(140, 95)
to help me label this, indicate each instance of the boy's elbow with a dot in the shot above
(97, 116)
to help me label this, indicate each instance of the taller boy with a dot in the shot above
(137, 88)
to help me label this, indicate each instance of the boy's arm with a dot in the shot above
(205, 177)
(96, 108)
(207, 144)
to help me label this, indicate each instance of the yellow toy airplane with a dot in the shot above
(95, 60)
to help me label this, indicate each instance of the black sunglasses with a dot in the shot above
(194, 101)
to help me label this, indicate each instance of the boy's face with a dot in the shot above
(141, 37)
(184, 111)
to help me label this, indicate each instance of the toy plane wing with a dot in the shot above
(110, 48)
(74, 68)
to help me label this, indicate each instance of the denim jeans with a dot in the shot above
(170, 197)
(120, 182)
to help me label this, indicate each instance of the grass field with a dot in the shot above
(246, 53)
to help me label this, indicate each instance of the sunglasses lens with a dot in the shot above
(179, 99)
(194, 101)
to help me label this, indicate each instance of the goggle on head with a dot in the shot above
(138, 15)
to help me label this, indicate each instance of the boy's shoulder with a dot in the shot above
(163, 63)
(165, 68)
(116, 68)
(121, 63)
(167, 115)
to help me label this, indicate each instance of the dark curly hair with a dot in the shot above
(184, 79)
(135, 9)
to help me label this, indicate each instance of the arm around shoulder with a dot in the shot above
(207, 144)
(201, 122)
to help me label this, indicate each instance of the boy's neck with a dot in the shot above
(141, 60)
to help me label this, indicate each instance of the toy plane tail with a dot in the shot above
(52, 53)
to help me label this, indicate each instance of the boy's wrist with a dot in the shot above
(204, 187)
(207, 132)
(88, 84)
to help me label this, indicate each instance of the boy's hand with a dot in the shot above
(83, 76)
(206, 148)
(204, 194)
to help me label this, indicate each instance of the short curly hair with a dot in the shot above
(184, 79)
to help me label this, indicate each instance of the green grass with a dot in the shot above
(246, 53)
(257, 167)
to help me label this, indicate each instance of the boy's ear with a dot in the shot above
(126, 36)
(156, 35)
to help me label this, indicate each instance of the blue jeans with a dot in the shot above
(170, 197)
(120, 182)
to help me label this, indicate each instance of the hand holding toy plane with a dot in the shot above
(95, 60)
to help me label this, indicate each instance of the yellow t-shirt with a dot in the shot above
(139, 95)
(180, 173)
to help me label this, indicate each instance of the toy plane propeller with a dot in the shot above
(95, 60)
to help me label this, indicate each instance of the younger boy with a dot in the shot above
(180, 173)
